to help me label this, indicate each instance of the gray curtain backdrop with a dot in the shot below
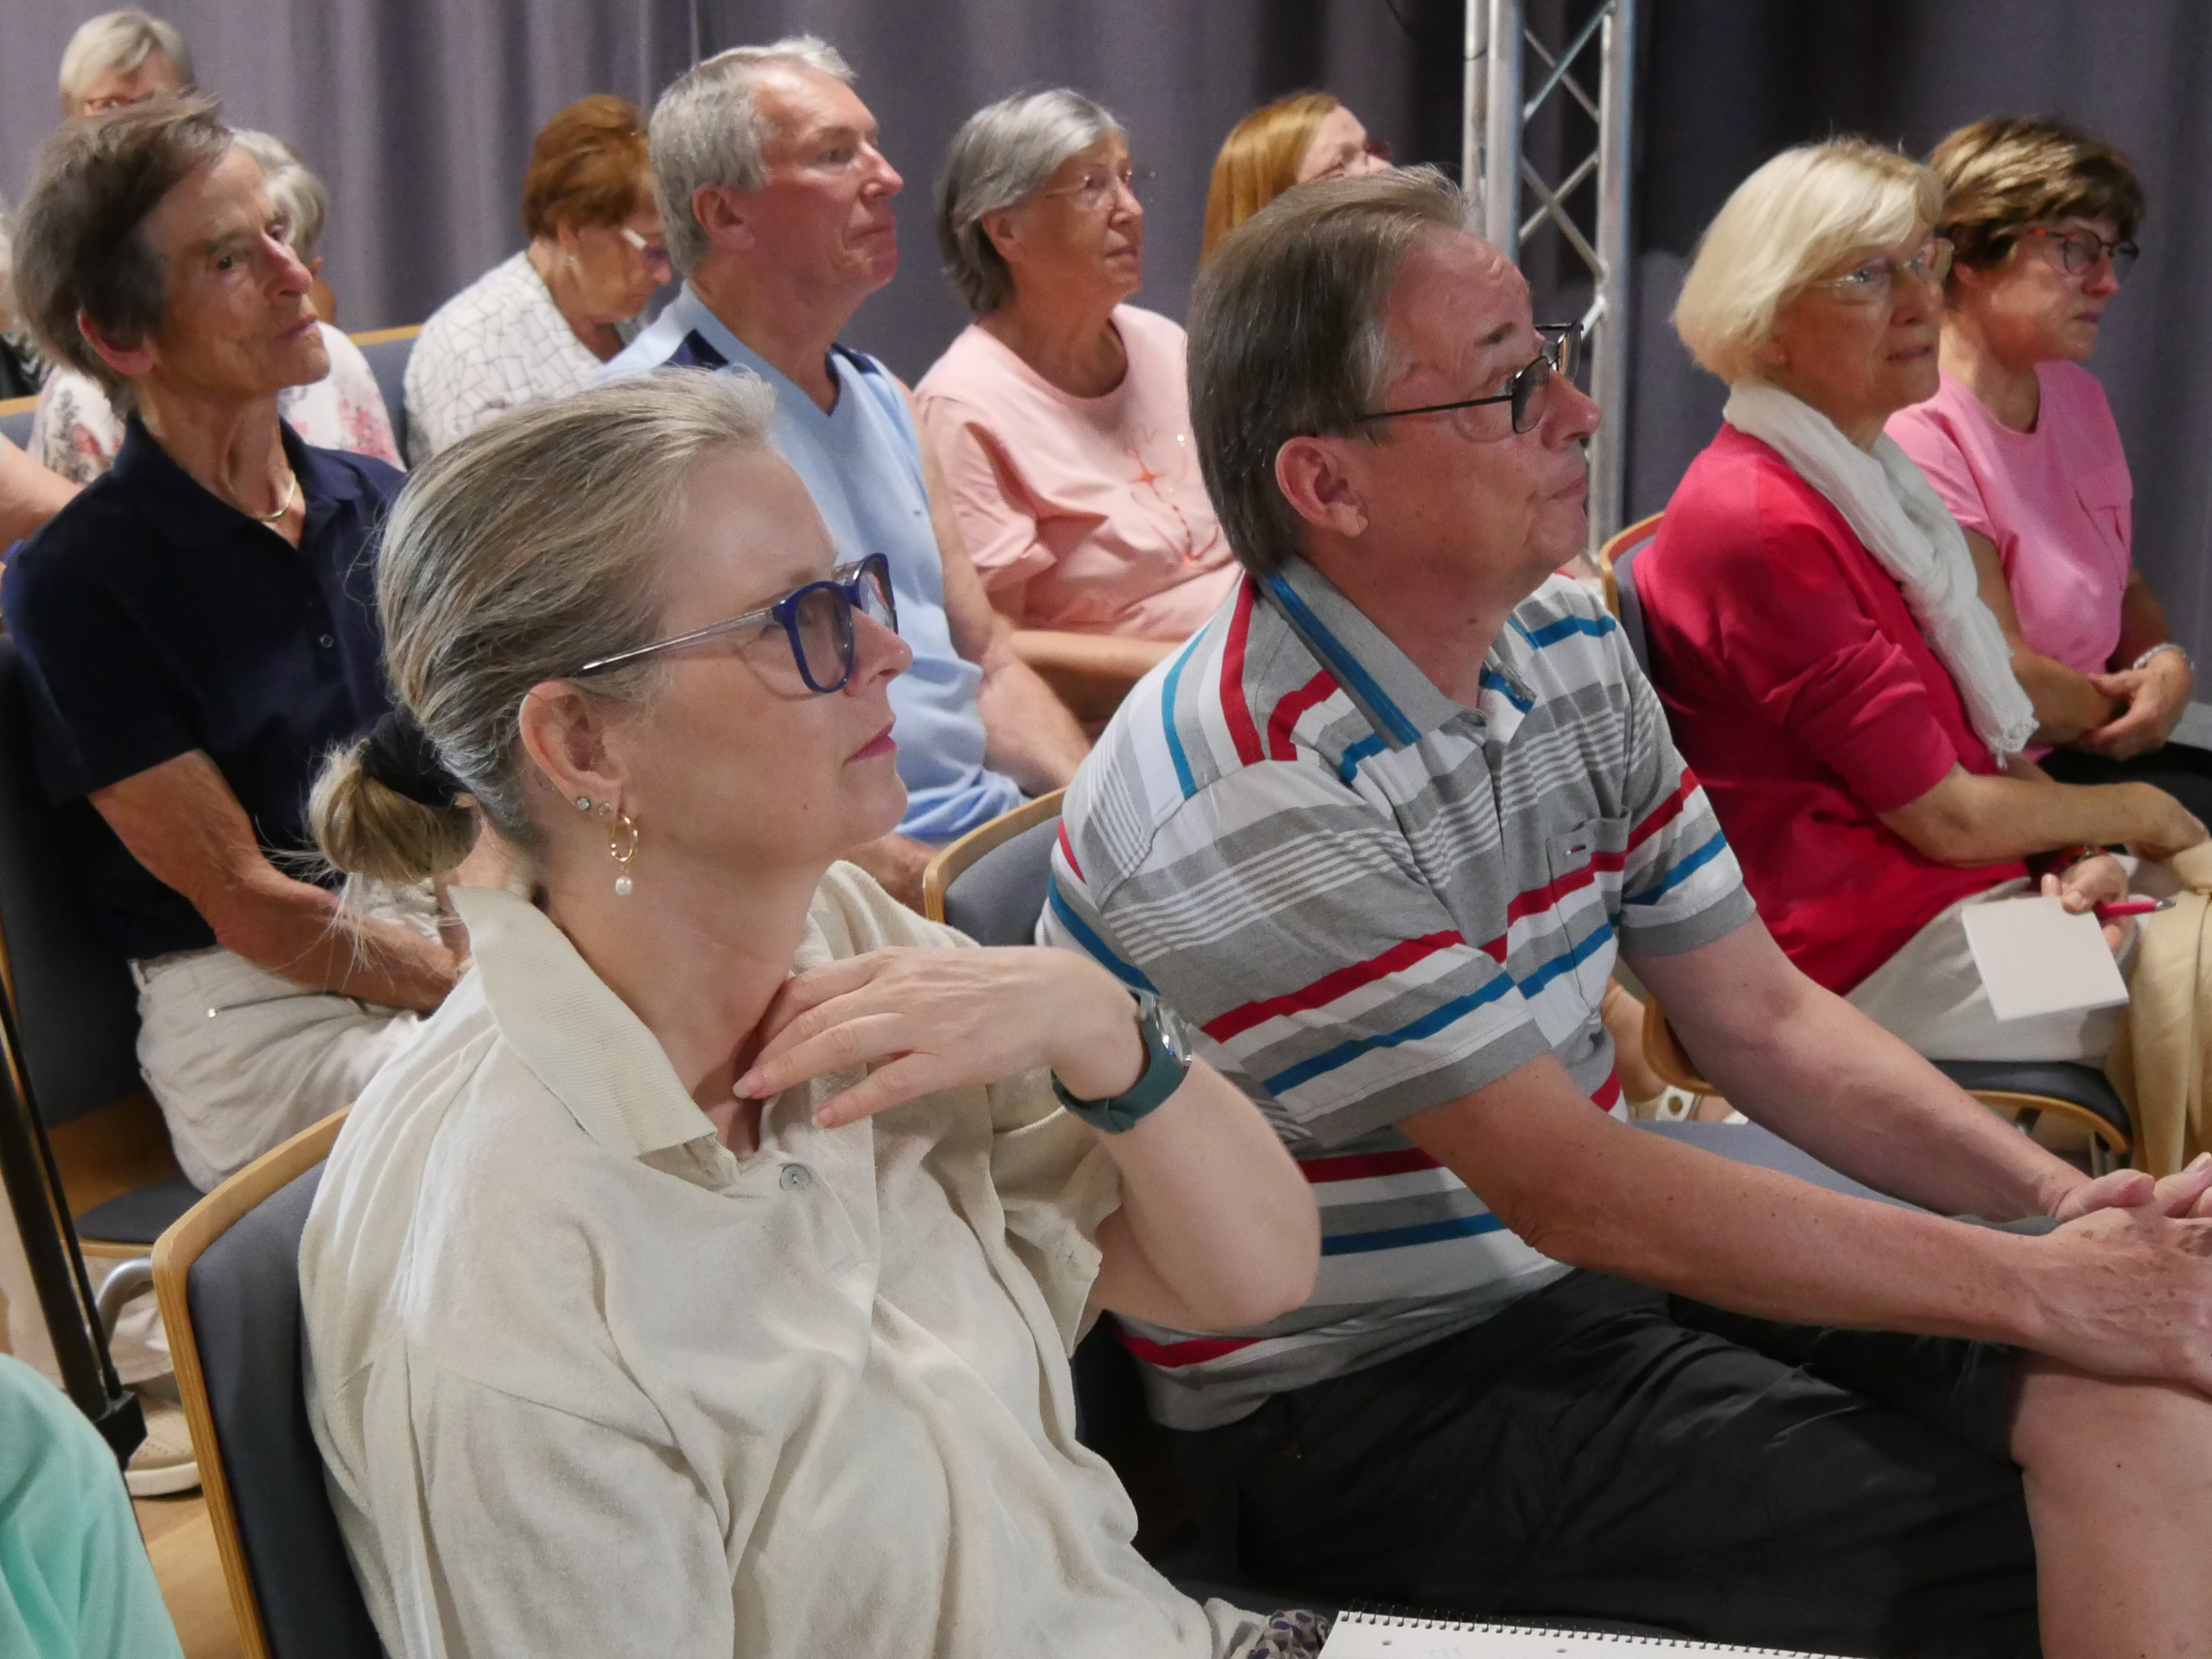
(419, 114)
(1726, 83)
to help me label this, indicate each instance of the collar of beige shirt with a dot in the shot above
(577, 1036)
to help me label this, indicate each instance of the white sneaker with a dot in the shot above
(164, 1464)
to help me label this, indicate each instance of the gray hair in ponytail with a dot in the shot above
(523, 551)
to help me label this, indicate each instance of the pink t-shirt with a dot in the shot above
(1095, 502)
(2057, 501)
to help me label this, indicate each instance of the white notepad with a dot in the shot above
(1401, 1636)
(2038, 957)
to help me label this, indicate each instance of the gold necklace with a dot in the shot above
(283, 507)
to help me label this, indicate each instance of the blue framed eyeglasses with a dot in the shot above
(817, 621)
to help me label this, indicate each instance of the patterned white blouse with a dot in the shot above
(498, 344)
(76, 431)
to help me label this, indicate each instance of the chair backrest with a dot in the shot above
(387, 350)
(16, 420)
(228, 1279)
(75, 1004)
(1617, 564)
(991, 883)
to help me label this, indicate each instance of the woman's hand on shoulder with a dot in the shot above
(933, 1019)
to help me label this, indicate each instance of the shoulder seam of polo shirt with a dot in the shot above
(1370, 901)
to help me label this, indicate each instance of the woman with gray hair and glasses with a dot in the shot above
(1060, 413)
(703, 1280)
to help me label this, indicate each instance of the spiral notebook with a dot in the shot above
(1359, 1634)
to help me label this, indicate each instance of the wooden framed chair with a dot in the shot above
(15, 414)
(227, 1275)
(1616, 563)
(2070, 1107)
(990, 884)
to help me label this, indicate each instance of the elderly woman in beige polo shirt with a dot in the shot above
(703, 1279)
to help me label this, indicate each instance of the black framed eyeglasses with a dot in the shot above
(1525, 391)
(2080, 250)
(817, 620)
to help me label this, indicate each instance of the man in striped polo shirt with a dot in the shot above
(1377, 833)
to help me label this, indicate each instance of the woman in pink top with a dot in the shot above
(2019, 444)
(1059, 413)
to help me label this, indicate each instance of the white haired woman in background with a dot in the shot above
(77, 430)
(703, 1279)
(121, 57)
(1817, 635)
(1060, 414)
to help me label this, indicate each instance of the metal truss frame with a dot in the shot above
(1503, 55)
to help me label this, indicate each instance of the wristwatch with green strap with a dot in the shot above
(1167, 1062)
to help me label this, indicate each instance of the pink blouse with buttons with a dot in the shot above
(2057, 501)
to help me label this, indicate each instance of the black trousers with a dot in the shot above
(1605, 1451)
(2183, 772)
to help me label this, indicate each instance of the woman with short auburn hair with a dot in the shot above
(2020, 444)
(1827, 663)
(1297, 140)
(1060, 414)
(703, 1279)
(539, 324)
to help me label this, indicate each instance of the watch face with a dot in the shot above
(1178, 1035)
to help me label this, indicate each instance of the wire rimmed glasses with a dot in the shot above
(1095, 189)
(1872, 283)
(817, 619)
(1562, 343)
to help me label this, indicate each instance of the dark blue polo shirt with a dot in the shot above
(153, 619)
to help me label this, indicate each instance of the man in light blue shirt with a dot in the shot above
(777, 206)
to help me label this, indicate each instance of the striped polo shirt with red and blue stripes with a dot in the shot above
(1371, 900)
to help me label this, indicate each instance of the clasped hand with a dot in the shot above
(2153, 698)
(2186, 1194)
(932, 1019)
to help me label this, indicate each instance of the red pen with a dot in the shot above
(2132, 908)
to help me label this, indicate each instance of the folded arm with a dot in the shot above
(2125, 1291)
(1968, 818)
(1800, 1060)
(2067, 702)
(2152, 699)
(180, 820)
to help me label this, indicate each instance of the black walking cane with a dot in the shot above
(57, 1271)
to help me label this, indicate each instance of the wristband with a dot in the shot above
(2160, 650)
(1167, 1062)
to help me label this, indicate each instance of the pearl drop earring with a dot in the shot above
(622, 846)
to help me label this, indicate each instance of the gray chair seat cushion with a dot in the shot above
(244, 1296)
(998, 899)
(142, 1217)
(2079, 1085)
